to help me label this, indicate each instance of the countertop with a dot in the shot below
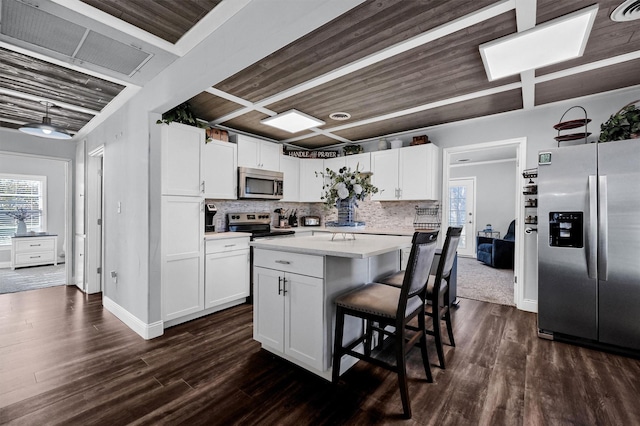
(361, 247)
(225, 235)
(401, 231)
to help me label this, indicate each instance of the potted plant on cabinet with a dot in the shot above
(625, 124)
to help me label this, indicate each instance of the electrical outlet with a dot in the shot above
(119, 207)
(114, 277)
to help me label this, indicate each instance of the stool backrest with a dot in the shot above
(447, 257)
(423, 250)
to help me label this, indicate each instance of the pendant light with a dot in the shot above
(45, 129)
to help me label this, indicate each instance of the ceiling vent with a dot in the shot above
(340, 116)
(37, 27)
(627, 11)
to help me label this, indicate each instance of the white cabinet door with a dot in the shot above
(248, 151)
(303, 319)
(270, 154)
(290, 166)
(384, 165)
(268, 308)
(361, 162)
(410, 173)
(310, 184)
(181, 159)
(226, 277)
(182, 256)
(258, 154)
(419, 172)
(334, 163)
(220, 169)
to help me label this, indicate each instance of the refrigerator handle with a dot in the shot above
(592, 231)
(603, 225)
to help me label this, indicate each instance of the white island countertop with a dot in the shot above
(363, 246)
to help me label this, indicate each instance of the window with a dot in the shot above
(24, 192)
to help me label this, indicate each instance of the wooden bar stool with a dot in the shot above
(388, 310)
(437, 307)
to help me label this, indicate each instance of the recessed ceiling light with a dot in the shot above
(292, 121)
(554, 41)
(627, 11)
(340, 116)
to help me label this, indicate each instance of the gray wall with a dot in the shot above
(496, 184)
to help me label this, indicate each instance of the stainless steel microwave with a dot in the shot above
(259, 184)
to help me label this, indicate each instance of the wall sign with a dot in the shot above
(311, 154)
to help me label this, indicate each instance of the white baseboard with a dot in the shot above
(5, 264)
(147, 331)
(528, 305)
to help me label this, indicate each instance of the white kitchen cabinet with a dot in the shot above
(257, 153)
(334, 164)
(220, 170)
(181, 152)
(289, 312)
(360, 161)
(182, 248)
(32, 251)
(226, 271)
(310, 183)
(290, 166)
(411, 173)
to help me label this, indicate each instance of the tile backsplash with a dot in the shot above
(376, 214)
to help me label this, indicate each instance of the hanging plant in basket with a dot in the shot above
(625, 124)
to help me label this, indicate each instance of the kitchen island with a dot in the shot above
(295, 283)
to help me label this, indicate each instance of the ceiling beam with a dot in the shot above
(526, 11)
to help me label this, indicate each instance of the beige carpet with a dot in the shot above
(478, 281)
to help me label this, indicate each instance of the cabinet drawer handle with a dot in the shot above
(35, 245)
(279, 285)
(34, 257)
(229, 245)
(284, 286)
(283, 262)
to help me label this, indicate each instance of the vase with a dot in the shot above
(346, 211)
(22, 227)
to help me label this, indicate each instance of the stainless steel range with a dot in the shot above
(256, 223)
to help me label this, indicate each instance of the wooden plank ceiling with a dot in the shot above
(441, 78)
(394, 65)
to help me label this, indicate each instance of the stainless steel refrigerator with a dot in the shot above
(589, 243)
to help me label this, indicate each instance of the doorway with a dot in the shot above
(57, 173)
(489, 154)
(95, 224)
(462, 207)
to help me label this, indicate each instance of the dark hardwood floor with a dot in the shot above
(66, 360)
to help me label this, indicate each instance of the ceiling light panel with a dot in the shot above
(554, 41)
(292, 121)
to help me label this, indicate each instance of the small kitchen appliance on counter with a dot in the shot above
(311, 221)
(210, 211)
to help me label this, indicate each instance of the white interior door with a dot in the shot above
(462, 204)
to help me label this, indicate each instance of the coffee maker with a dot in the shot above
(210, 211)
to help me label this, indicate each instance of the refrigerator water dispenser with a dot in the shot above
(565, 229)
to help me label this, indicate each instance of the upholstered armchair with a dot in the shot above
(497, 252)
